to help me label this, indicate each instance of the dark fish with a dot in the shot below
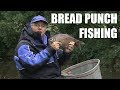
(65, 39)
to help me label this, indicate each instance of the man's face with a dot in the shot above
(39, 27)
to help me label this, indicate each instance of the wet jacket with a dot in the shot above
(35, 59)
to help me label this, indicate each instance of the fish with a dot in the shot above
(65, 39)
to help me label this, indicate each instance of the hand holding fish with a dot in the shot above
(56, 45)
(70, 47)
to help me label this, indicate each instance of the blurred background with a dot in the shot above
(107, 50)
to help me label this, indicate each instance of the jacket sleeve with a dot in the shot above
(29, 58)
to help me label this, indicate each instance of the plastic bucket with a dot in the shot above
(89, 69)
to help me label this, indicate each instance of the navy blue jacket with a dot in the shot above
(35, 59)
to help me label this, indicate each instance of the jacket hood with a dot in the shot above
(28, 34)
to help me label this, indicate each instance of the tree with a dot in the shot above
(11, 23)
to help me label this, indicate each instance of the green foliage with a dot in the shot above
(53, 29)
(104, 49)
(107, 50)
(11, 23)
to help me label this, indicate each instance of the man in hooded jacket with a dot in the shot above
(34, 57)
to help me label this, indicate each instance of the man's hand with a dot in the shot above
(70, 47)
(56, 45)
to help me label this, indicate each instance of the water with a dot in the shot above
(8, 71)
(107, 73)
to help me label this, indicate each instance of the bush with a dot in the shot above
(11, 23)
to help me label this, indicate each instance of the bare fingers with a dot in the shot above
(56, 45)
